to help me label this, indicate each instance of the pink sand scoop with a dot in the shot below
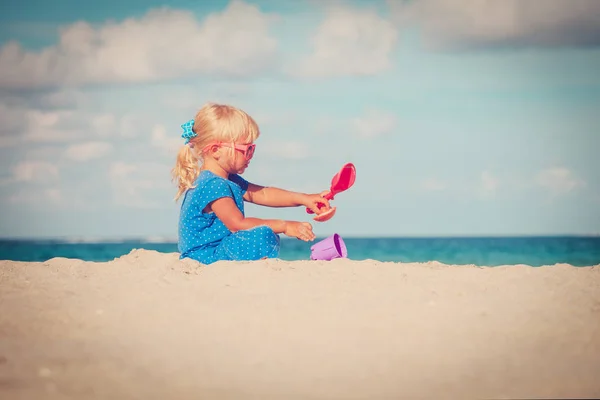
(329, 248)
(342, 181)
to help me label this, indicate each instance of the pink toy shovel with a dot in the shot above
(342, 181)
(329, 248)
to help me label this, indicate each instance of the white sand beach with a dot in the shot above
(150, 326)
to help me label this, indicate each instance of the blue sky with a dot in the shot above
(483, 122)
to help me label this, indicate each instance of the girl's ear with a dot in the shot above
(213, 151)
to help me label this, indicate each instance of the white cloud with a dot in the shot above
(30, 171)
(36, 196)
(164, 43)
(121, 169)
(350, 42)
(559, 180)
(475, 23)
(132, 184)
(104, 124)
(109, 124)
(55, 126)
(63, 98)
(87, 151)
(43, 117)
(160, 139)
(134, 125)
(374, 123)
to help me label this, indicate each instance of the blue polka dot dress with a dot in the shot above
(203, 237)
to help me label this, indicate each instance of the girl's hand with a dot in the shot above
(299, 230)
(312, 202)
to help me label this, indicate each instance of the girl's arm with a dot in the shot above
(226, 210)
(275, 197)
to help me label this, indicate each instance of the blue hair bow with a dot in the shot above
(188, 132)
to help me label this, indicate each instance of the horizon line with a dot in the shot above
(166, 239)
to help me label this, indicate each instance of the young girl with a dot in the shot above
(212, 224)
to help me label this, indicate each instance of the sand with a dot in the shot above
(149, 326)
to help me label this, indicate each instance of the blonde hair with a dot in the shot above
(212, 123)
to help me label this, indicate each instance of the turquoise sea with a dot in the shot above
(484, 251)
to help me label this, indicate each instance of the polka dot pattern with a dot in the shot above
(203, 237)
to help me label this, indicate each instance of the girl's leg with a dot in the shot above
(251, 244)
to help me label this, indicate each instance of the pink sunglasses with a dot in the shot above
(246, 149)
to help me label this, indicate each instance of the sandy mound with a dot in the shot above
(149, 326)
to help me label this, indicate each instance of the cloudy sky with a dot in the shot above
(463, 117)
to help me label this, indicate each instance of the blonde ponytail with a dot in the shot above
(186, 170)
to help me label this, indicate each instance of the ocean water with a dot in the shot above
(491, 251)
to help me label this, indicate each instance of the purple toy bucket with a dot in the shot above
(329, 248)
